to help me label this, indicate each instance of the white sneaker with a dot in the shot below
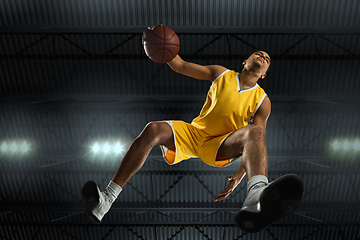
(267, 204)
(96, 203)
(252, 201)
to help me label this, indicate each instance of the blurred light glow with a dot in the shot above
(24, 147)
(106, 148)
(335, 145)
(346, 145)
(118, 148)
(96, 148)
(13, 147)
(4, 147)
(356, 145)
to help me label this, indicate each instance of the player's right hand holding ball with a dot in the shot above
(161, 44)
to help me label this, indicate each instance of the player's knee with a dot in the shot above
(150, 130)
(256, 132)
(152, 133)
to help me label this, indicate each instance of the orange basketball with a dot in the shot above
(161, 44)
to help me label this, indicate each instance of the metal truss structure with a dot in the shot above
(63, 166)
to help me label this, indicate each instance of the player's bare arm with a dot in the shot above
(208, 72)
(263, 113)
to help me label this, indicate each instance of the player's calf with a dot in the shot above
(98, 203)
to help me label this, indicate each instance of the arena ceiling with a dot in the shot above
(74, 72)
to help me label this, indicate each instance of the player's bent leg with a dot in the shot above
(248, 142)
(98, 203)
(265, 203)
(154, 133)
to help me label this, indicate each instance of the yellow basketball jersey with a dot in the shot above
(227, 107)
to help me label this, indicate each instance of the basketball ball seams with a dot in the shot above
(162, 57)
(169, 37)
(155, 52)
(155, 35)
(169, 52)
(170, 44)
(151, 31)
(162, 45)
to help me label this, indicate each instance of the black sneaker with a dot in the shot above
(277, 200)
(96, 203)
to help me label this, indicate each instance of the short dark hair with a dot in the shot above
(259, 50)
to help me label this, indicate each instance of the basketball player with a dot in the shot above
(231, 124)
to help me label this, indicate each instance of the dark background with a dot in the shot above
(74, 72)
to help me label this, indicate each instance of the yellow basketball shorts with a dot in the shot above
(191, 142)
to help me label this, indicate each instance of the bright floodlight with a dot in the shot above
(335, 145)
(4, 147)
(24, 147)
(356, 145)
(346, 145)
(13, 147)
(118, 148)
(106, 148)
(96, 148)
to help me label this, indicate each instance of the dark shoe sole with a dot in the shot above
(281, 198)
(90, 198)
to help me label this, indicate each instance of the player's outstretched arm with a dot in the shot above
(209, 72)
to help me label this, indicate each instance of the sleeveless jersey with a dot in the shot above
(227, 107)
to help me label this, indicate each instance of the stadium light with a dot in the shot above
(335, 145)
(346, 145)
(107, 148)
(14, 147)
(118, 148)
(356, 145)
(96, 148)
(4, 147)
(24, 147)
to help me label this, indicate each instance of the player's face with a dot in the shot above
(260, 61)
(263, 57)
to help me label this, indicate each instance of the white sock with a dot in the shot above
(255, 180)
(113, 189)
(255, 186)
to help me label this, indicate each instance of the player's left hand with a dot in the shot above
(233, 182)
(144, 33)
